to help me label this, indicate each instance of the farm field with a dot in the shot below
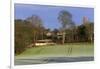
(69, 52)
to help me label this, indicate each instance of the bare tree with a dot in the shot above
(65, 18)
(38, 26)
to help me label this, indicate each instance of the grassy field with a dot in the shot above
(70, 52)
(66, 50)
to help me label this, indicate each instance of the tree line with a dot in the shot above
(31, 29)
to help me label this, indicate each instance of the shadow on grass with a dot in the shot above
(52, 60)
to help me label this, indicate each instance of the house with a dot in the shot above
(44, 42)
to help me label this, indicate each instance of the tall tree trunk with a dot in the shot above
(34, 38)
(42, 35)
(91, 37)
(63, 38)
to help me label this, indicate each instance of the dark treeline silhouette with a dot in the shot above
(30, 30)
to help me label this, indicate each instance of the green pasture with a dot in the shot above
(66, 50)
